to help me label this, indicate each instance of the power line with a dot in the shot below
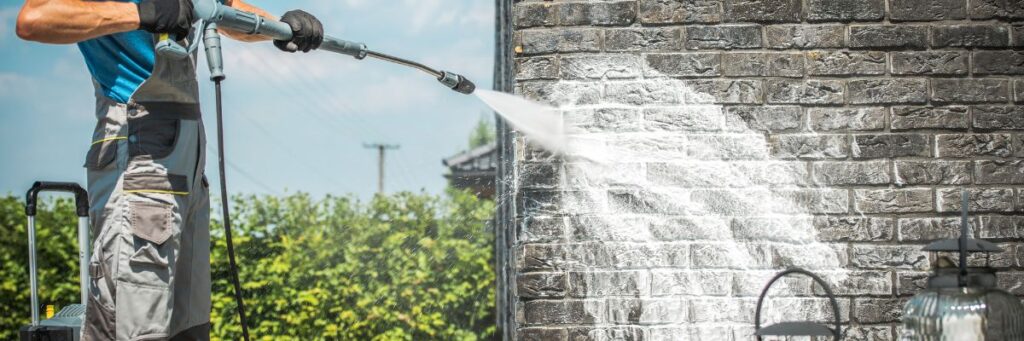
(381, 150)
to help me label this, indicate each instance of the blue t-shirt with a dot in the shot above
(120, 62)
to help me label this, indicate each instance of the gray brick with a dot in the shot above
(813, 201)
(970, 90)
(690, 228)
(1000, 172)
(970, 36)
(603, 284)
(744, 64)
(805, 36)
(887, 91)
(999, 63)
(727, 147)
(999, 117)
(918, 200)
(721, 310)
(954, 117)
(785, 230)
(641, 92)
(1001, 9)
(845, 10)
(685, 118)
(910, 282)
(750, 283)
(854, 229)
(1018, 145)
(684, 64)
(762, 11)
(878, 310)
(845, 63)
(542, 257)
(929, 63)
(614, 13)
(922, 10)
(642, 39)
(857, 283)
(559, 40)
(785, 64)
(886, 257)
(928, 229)
(981, 200)
(1018, 93)
(804, 91)
(562, 93)
(1012, 282)
(541, 285)
(851, 173)
(725, 91)
(680, 11)
(1017, 32)
(846, 119)
(602, 120)
(889, 37)
(610, 66)
(537, 229)
(544, 312)
(869, 333)
(723, 37)
(809, 146)
(890, 146)
(624, 333)
(766, 118)
(933, 172)
(691, 283)
(1002, 227)
(536, 68)
(542, 334)
(973, 145)
(528, 15)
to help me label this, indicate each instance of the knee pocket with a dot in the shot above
(153, 248)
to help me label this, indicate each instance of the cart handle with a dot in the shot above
(81, 197)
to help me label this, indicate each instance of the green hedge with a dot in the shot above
(401, 267)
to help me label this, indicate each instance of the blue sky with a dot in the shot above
(294, 122)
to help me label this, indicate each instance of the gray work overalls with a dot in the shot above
(150, 267)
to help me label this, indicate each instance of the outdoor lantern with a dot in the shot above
(797, 328)
(962, 303)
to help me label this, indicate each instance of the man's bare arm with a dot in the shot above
(72, 21)
(242, 36)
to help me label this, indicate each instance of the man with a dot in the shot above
(150, 267)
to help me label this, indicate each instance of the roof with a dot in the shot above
(477, 160)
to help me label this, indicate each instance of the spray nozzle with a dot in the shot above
(456, 82)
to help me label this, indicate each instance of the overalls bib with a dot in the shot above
(150, 212)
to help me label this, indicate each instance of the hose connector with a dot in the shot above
(457, 82)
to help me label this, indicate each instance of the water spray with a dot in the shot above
(210, 14)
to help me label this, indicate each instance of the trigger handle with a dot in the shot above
(168, 47)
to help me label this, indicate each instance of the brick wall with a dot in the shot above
(880, 112)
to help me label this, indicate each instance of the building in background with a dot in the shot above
(474, 170)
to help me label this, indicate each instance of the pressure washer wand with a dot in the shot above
(212, 12)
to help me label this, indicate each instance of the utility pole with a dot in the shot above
(381, 149)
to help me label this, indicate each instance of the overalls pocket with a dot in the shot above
(153, 137)
(102, 153)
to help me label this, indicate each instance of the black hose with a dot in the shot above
(233, 267)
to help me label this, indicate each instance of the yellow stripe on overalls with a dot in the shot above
(156, 191)
(109, 139)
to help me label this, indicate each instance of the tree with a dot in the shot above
(482, 134)
(400, 267)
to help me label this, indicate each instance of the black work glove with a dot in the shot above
(307, 32)
(166, 16)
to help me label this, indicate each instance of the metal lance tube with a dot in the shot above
(964, 201)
